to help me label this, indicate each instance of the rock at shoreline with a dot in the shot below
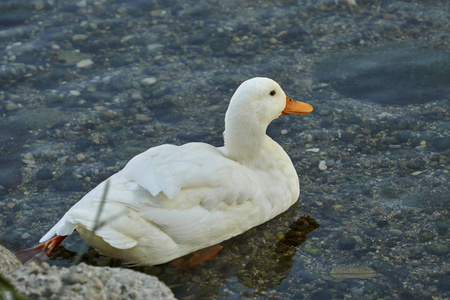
(8, 261)
(42, 281)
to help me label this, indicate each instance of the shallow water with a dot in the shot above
(86, 85)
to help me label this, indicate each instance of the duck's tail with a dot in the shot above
(42, 251)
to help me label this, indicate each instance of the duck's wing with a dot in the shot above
(168, 169)
(197, 193)
(178, 191)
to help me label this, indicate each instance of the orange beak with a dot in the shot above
(296, 107)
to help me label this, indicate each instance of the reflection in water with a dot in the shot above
(261, 274)
(258, 259)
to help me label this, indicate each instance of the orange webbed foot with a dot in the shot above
(192, 259)
(42, 251)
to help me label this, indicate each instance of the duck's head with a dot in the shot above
(262, 100)
(256, 103)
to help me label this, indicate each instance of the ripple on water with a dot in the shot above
(399, 74)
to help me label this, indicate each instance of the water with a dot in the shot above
(86, 85)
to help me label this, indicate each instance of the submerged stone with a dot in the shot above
(346, 243)
(400, 74)
(44, 174)
(437, 249)
(67, 183)
(443, 225)
(312, 250)
(36, 119)
(10, 175)
(442, 143)
(342, 272)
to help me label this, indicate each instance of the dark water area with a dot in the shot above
(389, 75)
(86, 85)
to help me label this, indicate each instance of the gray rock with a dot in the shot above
(346, 243)
(442, 143)
(153, 47)
(44, 174)
(442, 225)
(35, 119)
(403, 136)
(395, 232)
(348, 137)
(41, 281)
(11, 106)
(294, 34)
(197, 38)
(219, 44)
(437, 249)
(8, 261)
(322, 165)
(367, 163)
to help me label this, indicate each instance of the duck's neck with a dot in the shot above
(244, 138)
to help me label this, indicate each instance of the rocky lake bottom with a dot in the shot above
(86, 85)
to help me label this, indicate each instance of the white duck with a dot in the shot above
(170, 201)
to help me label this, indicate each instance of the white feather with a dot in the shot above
(172, 200)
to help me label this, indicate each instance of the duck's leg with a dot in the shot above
(41, 251)
(192, 259)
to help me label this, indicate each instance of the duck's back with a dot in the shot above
(172, 200)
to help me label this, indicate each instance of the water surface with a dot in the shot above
(86, 85)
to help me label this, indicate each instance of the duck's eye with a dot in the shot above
(272, 93)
